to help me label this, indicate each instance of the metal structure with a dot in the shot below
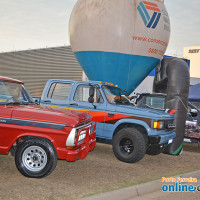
(35, 67)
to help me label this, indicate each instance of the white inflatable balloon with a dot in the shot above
(119, 41)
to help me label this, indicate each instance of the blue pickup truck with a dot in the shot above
(132, 131)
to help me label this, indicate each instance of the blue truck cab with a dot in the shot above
(131, 130)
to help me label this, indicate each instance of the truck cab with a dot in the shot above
(132, 131)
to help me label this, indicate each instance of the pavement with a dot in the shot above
(150, 190)
(170, 195)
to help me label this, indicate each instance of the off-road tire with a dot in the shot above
(129, 145)
(36, 158)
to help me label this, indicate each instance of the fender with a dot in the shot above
(132, 121)
(31, 134)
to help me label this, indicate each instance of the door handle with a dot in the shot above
(73, 104)
(47, 101)
(111, 115)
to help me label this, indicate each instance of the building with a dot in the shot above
(35, 67)
(193, 54)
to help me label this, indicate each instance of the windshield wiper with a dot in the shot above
(26, 103)
(19, 103)
(13, 103)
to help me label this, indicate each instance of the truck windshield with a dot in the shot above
(13, 93)
(116, 95)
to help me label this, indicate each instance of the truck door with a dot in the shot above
(97, 109)
(7, 123)
(5, 116)
(57, 94)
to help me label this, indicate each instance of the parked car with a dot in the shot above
(132, 131)
(157, 102)
(39, 136)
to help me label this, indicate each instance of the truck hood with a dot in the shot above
(143, 112)
(46, 114)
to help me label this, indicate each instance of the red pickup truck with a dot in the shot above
(37, 136)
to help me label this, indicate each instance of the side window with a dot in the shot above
(23, 97)
(3, 89)
(4, 93)
(156, 102)
(59, 91)
(82, 94)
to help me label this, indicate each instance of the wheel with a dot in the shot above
(36, 158)
(153, 150)
(129, 145)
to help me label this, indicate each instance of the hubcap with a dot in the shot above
(34, 158)
(126, 146)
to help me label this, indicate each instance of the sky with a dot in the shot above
(32, 24)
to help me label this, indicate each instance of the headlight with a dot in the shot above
(71, 140)
(159, 125)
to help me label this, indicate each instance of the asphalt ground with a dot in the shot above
(99, 172)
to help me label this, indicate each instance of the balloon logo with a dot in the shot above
(119, 41)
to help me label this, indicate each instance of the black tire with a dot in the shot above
(129, 145)
(154, 150)
(36, 158)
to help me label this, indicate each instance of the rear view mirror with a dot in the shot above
(194, 112)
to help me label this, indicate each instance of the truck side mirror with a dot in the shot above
(91, 95)
(91, 99)
(36, 100)
(194, 112)
(91, 91)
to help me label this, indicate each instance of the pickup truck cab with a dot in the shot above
(132, 131)
(38, 136)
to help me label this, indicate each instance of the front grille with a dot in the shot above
(83, 126)
(81, 131)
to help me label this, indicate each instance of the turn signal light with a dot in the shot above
(69, 148)
(158, 125)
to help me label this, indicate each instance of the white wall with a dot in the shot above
(193, 54)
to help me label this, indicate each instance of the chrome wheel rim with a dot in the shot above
(34, 158)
